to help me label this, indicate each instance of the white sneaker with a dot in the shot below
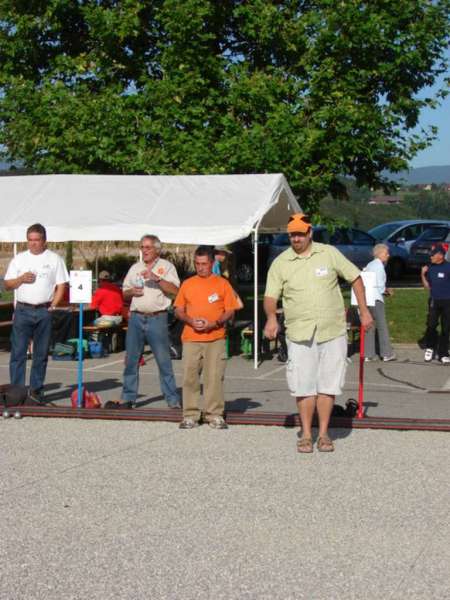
(217, 423)
(389, 358)
(445, 360)
(428, 357)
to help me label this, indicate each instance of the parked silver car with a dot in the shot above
(400, 236)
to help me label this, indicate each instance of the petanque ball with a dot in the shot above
(17, 414)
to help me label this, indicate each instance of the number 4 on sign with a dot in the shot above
(80, 287)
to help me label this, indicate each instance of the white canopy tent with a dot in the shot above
(182, 209)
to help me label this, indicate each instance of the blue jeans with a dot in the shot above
(30, 324)
(154, 331)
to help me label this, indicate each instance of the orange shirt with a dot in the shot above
(207, 297)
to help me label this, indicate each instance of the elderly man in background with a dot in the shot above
(150, 284)
(305, 277)
(377, 266)
(39, 278)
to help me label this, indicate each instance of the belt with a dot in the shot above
(149, 314)
(28, 305)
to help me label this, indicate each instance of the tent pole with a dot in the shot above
(255, 294)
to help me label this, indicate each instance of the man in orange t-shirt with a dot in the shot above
(205, 302)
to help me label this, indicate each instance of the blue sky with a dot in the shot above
(439, 152)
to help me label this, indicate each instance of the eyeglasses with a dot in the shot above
(146, 247)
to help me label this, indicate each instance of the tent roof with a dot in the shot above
(190, 209)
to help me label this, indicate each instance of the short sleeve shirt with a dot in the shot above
(310, 292)
(154, 299)
(108, 299)
(50, 271)
(205, 297)
(439, 279)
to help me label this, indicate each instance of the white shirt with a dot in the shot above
(376, 266)
(154, 298)
(50, 271)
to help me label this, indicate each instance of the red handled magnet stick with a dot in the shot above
(361, 373)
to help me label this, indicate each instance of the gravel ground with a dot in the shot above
(124, 510)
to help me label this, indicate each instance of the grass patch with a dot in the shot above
(406, 313)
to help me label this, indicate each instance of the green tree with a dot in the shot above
(315, 89)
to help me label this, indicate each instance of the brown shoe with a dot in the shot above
(305, 445)
(324, 444)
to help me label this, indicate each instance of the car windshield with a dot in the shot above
(282, 239)
(381, 232)
(434, 234)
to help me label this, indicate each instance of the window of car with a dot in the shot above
(361, 238)
(282, 239)
(381, 232)
(339, 237)
(409, 233)
(321, 235)
(434, 234)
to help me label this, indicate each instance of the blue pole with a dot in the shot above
(80, 358)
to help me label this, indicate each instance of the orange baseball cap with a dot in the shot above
(299, 223)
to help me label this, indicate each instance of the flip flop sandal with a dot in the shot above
(305, 445)
(324, 444)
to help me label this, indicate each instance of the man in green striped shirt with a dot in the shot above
(305, 277)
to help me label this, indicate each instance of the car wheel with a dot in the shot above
(244, 273)
(395, 268)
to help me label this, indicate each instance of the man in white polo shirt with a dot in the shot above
(38, 277)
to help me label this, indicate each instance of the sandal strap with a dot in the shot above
(324, 440)
(304, 441)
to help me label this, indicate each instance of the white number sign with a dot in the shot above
(80, 287)
(370, 283)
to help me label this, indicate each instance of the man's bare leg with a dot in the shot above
(324, 409)
(306, 407)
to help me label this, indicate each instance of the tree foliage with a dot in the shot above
(314, 89)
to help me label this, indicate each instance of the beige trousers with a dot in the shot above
(209, 359)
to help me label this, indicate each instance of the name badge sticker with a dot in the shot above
(441, 275)
(213, 298)
(321, 271)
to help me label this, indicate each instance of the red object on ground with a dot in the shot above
(360, 412)
(90, 399)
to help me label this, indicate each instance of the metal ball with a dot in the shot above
(17, 414)
(6, 414)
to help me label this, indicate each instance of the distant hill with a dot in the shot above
(439, 174)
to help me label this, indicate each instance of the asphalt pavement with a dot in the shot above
(93, 510)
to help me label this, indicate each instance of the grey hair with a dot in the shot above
(152, 238)
(378, 248)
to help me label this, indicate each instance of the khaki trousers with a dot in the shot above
(209, 359)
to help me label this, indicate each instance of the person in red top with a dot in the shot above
(205, 302)
(108, 301)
